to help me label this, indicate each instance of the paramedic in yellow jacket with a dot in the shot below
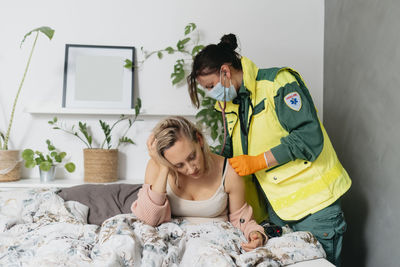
(276, 142)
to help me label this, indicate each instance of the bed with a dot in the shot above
(91, 225)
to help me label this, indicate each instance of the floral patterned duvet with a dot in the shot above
(37, 228)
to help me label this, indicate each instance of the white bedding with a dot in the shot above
(37, 228)
(313, 263)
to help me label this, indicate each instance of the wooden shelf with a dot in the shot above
(109, 112)
(36, 183)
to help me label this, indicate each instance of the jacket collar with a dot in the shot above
(248, 87)
(250, 71)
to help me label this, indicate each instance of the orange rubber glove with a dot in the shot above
(245, 164)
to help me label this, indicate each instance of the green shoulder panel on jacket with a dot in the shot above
(267, 74)
(297, 114)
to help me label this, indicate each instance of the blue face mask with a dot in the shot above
(221, 93)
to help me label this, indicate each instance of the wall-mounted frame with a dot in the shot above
(95, 77)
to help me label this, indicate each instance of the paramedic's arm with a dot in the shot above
(305, 139)
(299, 118)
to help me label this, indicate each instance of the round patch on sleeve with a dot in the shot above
(293, 101)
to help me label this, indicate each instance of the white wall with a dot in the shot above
(271, 33)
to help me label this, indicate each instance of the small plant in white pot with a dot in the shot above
(101, 163)
(47, 162)
(10, 167)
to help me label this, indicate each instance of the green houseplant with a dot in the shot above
(47, 31)
(9, 159)
(83, 133)
(187, 48)
(101, 157)
(47, 162)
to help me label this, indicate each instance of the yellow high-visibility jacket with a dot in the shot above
(274, 110)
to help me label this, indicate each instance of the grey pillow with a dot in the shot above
(104, 201)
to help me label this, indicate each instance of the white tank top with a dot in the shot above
(213, 209)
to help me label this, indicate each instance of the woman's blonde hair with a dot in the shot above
(168, 131)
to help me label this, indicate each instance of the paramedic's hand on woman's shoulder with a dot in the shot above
(245, 164)
(156, 171)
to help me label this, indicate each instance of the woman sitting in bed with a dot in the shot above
(185, 179)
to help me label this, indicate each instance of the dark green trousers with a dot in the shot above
(327, 225)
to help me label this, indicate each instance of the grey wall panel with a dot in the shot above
(362, 117)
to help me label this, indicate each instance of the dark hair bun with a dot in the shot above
(228, 41)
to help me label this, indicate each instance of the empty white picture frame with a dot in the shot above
(95, 77)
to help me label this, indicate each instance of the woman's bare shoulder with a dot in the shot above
(216, 161)
(233, 181)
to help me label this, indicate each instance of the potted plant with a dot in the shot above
(47, 162)
(10, 167)
(101, 158)
(188, 47)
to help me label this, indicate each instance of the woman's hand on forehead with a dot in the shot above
(152, 147)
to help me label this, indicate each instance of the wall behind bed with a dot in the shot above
(271, 33)
(361, 111)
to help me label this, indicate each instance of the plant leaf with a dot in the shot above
(128, 64)
(107, 132)
(202, 113)
(40, 155)
(170, 50)
(206, 102)
(2, 137)
(38, 161)
(201, 92)
(126, 140)
(45, 166)
(177, 77)
(84, 130)
(160, 54)
(214, 133)
(197, 49)
(49, 159)
(179, 73)
(70, 167)
(189, 28)
(181, 43)
(30, 163)
(138, 106)
(49, 32)
(27, 154)
(57, 158)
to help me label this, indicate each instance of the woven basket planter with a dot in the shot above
(10, 165)
(100, 165)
